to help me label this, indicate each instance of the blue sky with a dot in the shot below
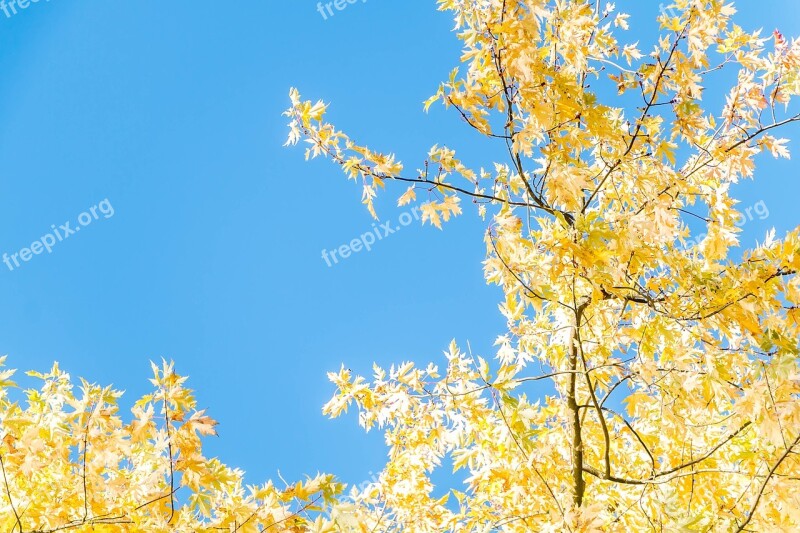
(172, 112)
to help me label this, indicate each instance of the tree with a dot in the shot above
(674, 362)
(69, 463)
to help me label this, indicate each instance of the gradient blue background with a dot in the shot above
(172, 111)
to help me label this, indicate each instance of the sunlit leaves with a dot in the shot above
(670, 354)
(72, 461)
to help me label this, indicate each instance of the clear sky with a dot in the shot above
(171, 111)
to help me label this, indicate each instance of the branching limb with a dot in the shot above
(764, 484)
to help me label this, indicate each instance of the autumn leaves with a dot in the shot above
(589, 224)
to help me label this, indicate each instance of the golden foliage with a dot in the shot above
(674, 362)
(68, 462)
(589, 240)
